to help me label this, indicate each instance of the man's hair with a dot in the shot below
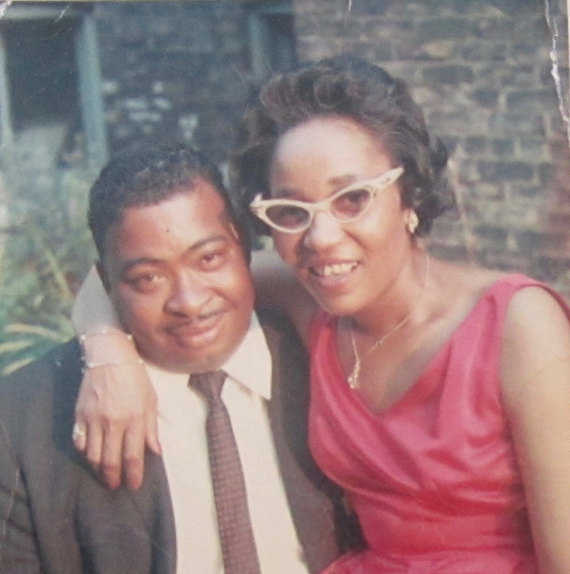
(148, 174)
(354, 88)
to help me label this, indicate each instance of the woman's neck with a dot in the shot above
(399, 302)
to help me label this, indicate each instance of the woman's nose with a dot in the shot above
(323, 231)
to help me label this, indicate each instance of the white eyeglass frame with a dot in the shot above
(260, 206)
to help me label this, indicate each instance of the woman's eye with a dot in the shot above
(352, 202)
(287, 215)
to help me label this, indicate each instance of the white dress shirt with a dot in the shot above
(181, 424)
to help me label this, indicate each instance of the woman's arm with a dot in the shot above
(535, 370)
(116, 407)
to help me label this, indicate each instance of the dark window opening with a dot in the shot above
(272, 38)
(42, 74)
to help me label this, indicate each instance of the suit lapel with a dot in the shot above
(308, 491)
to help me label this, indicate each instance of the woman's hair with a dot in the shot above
(353, 88)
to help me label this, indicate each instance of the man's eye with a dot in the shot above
(144, 282)
(212, 259)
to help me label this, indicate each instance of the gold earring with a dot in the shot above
(413, 222)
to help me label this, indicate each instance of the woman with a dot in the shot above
(439, 394)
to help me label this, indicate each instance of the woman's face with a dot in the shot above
(345, 266)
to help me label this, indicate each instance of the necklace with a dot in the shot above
(353, 378)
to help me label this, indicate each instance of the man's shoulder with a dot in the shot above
(288, 354)
(270, 319)
(279, 330)
(62, 363)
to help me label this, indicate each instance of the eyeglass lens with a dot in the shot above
(344, 207)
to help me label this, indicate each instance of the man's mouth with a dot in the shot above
(197, 326)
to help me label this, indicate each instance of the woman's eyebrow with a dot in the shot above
(336, 184)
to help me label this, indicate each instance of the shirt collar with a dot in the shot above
(249, 365)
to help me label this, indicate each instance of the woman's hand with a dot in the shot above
(115, 413)
(116, 409)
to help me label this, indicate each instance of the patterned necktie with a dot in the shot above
(234, 524)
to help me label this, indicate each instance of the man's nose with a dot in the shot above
(188, 295)
(323, 232)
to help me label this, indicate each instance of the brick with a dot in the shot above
(475, 145)
(483, 52)
(502, 147)
(516, 125)
(505, 171)
(495, 234)
(486, 97)
(526, 101)
(550, 268)
(448, 74)
(528, 191)
(532, 148)
(528, 241)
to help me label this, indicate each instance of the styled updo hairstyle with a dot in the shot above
(366, 93)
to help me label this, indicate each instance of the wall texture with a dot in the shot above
(481, 69)
(173, 69)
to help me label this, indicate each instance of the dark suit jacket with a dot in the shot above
(57, 518)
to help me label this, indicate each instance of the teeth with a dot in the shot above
(335, 269)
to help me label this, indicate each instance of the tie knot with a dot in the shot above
(209, 384)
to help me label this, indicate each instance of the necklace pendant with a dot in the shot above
(353, 382)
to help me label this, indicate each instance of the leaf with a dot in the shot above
(45, 250)
(13, 346)
(15, 365)
(38, 330)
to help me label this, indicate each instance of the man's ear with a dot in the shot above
(103, 275)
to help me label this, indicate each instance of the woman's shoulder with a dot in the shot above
(535, 307)
(526, 310)
(468, 295)
(468, 285)
(519, 294)
(456, 289)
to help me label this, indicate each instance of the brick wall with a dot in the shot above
(173, 69)
(482, 73)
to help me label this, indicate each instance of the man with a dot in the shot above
(173, 256)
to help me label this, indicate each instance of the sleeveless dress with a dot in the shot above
(434, 478)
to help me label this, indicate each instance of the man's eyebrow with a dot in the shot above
(219, 238)
(131, 263)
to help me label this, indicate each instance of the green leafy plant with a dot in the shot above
(46, 252)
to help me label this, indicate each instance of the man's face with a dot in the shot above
(178, 279)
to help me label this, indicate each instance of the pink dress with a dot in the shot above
(433, 479)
